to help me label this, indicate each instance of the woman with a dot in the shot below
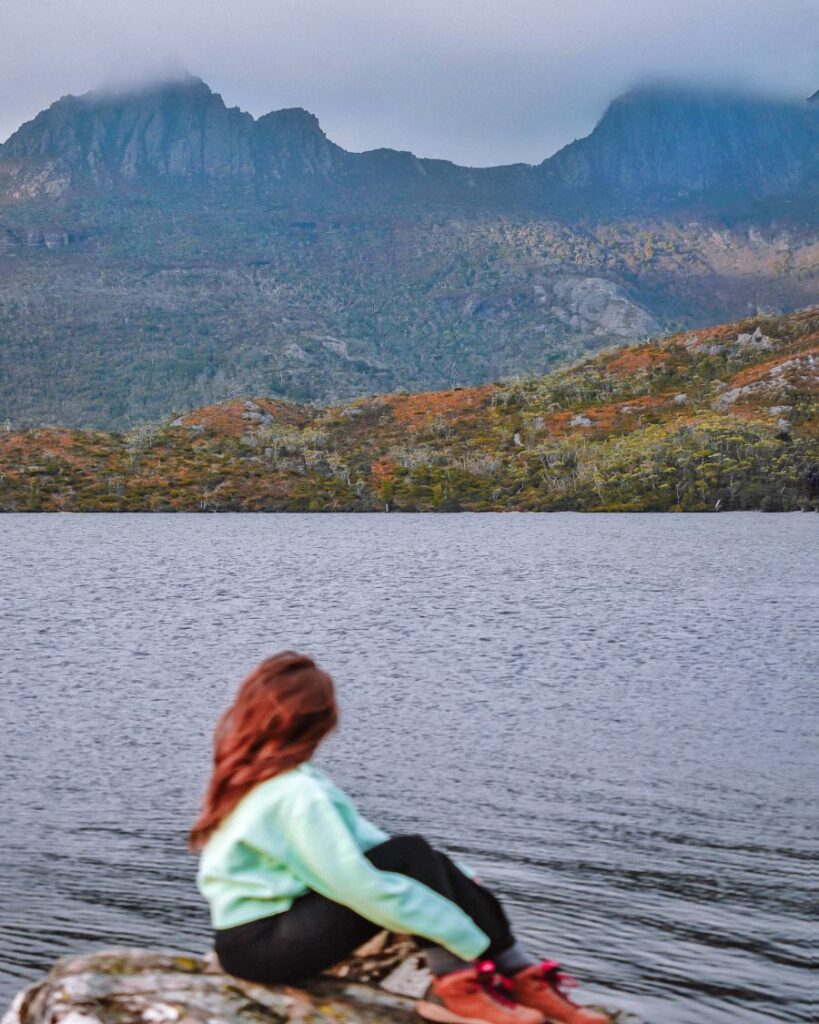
(296, 879)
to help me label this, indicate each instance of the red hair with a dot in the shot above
(283, 710)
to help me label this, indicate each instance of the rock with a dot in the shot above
(295, 351)
(672, 142)
(336, 345)
(51, 238)
(174, 129)
(754, 342)
(122, 986)
(378, 984)
(580, 421)
(734, 394)
(601, 307)
(757, 340)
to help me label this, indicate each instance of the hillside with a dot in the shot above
(725, 418)
(160, 249)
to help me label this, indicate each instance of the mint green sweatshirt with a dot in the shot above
(297, 832)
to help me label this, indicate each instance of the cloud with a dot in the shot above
(476, 81)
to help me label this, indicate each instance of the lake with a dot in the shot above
(611, 717)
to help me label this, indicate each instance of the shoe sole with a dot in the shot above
(441, 1015)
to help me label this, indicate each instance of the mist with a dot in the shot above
(474, 81)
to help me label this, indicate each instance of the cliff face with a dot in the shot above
(669, 144)
(182, 132)
(290, 144)
(657, 145)
(179, 130)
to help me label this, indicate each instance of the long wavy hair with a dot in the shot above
(283, 710)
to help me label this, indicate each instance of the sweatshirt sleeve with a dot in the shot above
(324, 854)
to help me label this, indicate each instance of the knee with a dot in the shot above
(412, 842)
(399, 851)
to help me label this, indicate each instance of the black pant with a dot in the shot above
(316, 932)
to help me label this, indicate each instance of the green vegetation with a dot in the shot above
(161, 251)
(172, 300)
(725, 418)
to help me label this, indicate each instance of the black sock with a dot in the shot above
(514, 959)
(441, 961)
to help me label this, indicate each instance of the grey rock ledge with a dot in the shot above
(377, 985)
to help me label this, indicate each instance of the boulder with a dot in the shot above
(378, 984)
(600, 307)
(136, 986)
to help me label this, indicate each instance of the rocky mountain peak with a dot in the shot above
(292, 144)
(292, 120)
(654, 146)
(678, 141)
(171, 129)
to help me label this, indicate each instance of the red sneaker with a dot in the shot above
(475, 995)
(541, 987)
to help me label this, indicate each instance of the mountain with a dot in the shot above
(659, 144)
(159, 249)
(175, 130)
(664, 145)
(723, 418)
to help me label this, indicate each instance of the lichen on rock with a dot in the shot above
(378, 984)
(122, 986)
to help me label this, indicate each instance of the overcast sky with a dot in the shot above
(475, 81)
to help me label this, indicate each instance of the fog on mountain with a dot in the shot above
(160, 249)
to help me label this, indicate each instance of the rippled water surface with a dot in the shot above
(611, 717)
